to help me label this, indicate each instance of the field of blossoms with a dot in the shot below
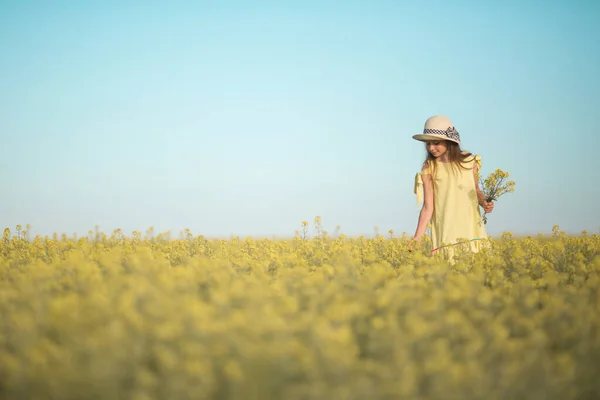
(316, 316)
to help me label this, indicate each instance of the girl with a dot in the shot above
(448, 186)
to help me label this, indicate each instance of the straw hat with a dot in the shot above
(438, 128)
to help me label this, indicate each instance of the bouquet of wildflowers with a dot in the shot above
(494, 186)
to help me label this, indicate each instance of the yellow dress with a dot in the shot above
(456, 215)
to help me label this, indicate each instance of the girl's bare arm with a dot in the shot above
(427, 209)
(487, 206)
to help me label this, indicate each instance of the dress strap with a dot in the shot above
(478, 161)
(418, 189)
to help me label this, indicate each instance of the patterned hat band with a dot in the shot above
(450, 133)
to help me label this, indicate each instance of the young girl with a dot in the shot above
(449, 189)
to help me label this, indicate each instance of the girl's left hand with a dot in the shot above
(488, 207)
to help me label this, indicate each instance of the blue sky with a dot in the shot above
(246, 118)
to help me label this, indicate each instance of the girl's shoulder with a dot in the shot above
(471, 159)
(426, 167)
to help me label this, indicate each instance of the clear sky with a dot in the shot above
(248, 117)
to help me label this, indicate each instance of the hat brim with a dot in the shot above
(431, 137)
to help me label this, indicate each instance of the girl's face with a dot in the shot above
(436, 148)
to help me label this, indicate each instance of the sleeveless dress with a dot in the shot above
(456, 215)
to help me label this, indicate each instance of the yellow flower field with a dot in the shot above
(147, 316)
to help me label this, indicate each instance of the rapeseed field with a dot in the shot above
(317, 316)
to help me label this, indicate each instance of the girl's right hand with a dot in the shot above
(413, 244)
